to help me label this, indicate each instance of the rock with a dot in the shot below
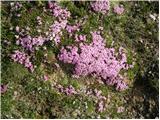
(107, 117)
(141, 99)
(15, 93)
(141, 117)
(98, 117)
(147, 115)
(78, 111)
(141, 108)
(74, 113)
(74, 102)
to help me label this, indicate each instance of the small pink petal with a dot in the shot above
(3, 88)
(46, 77)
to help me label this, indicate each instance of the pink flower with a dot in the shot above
(46, 77)
(118, 9)
(50, 5)
(17, 29)
(3, 88)
(120, 109)
(100, 106)
(80, 38)
(97, 92)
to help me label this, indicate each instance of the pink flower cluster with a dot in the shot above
(15, 6)
(118, 9)
(23, 59)
(80, 38)
(120, 109)
(57, 27)
(30, 43)
(56, 30)
(62, 23)
(100, 106)
(70, 56)
(101, 6)
(100, 99)
(98, 94)
(95, 59)
(58, 11)
(72, 28)
(68, 90)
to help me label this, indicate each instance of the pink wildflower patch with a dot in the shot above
(96, 59)
(58, 11)
(23, 59)
(118, 9)
(101, 6)
(30, 43)
(70, 90)
(15, 6)
(56, 30)
(101, 106)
